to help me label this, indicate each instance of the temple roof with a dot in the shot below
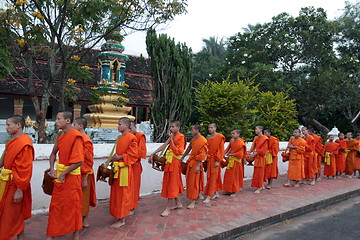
(137, 76)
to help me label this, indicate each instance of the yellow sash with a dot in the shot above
(124, 173)
(269, 158)
(231, 161)
(5, 175)
(60, 168)
(327, 158)
(169, 155)
(346, 152)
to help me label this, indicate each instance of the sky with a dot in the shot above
(225, 18)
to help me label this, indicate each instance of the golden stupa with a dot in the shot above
(111, 107)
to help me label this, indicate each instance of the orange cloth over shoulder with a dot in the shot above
(172, 182)
(340, 157)
(66, 202)
(89, 194)
(234, 176)
(261, 147)
(271, 170)
(352, 146)
(330, 168)
(310, 164)
(357, 157)
(319, 152)
(215, 154)
(195, 180)
(137, 168)
(19, 156)
(296, 165)
(121, 197)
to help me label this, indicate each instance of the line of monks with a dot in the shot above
(74, 184)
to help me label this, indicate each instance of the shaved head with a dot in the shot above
(17, 119)
(67, 115)
(81, 121)
(177, 123)
(126, 121)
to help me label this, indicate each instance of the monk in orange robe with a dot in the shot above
(172, 183)
(318, 154)
(310, 164)
(352, 147)
(357, 157)
(87, 172)
(66, 202)
(258, 153)
(15, 190)
(194, 170)
(296, 147)
(331, 149)
(121, 193)
(215, 155)
(234, 174)
(340, 157)
(271, 169)
(136, 167)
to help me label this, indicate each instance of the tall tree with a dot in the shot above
(171, 67)
(64, 31)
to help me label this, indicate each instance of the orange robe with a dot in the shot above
(215, 154)
(319, 153)
(271, 169)
(172, 183)
(296, 161)
(137, 168)
(310, 164)
(234, 175)
(352, 146)
(66, 202)
(121, 197)
(195, 180)
(19, 155)
(89, 194)
(261, 147)
(357, 157)
(340, 157)
(330, 162)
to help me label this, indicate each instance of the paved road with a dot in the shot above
(336, 222)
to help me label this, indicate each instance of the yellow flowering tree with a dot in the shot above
(64, 31)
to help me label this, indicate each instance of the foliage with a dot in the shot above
(277, 112)
(229, 105)
(297, 55)
(64, 31)
(171, 67)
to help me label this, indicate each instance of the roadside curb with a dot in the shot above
(233, 229)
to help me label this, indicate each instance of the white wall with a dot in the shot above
(151, 179)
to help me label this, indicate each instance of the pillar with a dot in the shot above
(77, 110)
(18, 106)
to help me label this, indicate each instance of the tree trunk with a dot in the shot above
(315, 124)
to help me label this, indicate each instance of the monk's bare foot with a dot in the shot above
(201, 197)
(119, 223)
(312, 183)
(268, 186)
(178, 206)
(258, 190)
(21, 236)
(318, 179)
(76, 235)
(132, 212)
(227, 193)
(192, 204)
(207, 200)
(297, 185)
(232, 195)
(216, 195)
(85, 222)
(287, 185)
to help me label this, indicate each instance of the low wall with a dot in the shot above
(151, 179)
